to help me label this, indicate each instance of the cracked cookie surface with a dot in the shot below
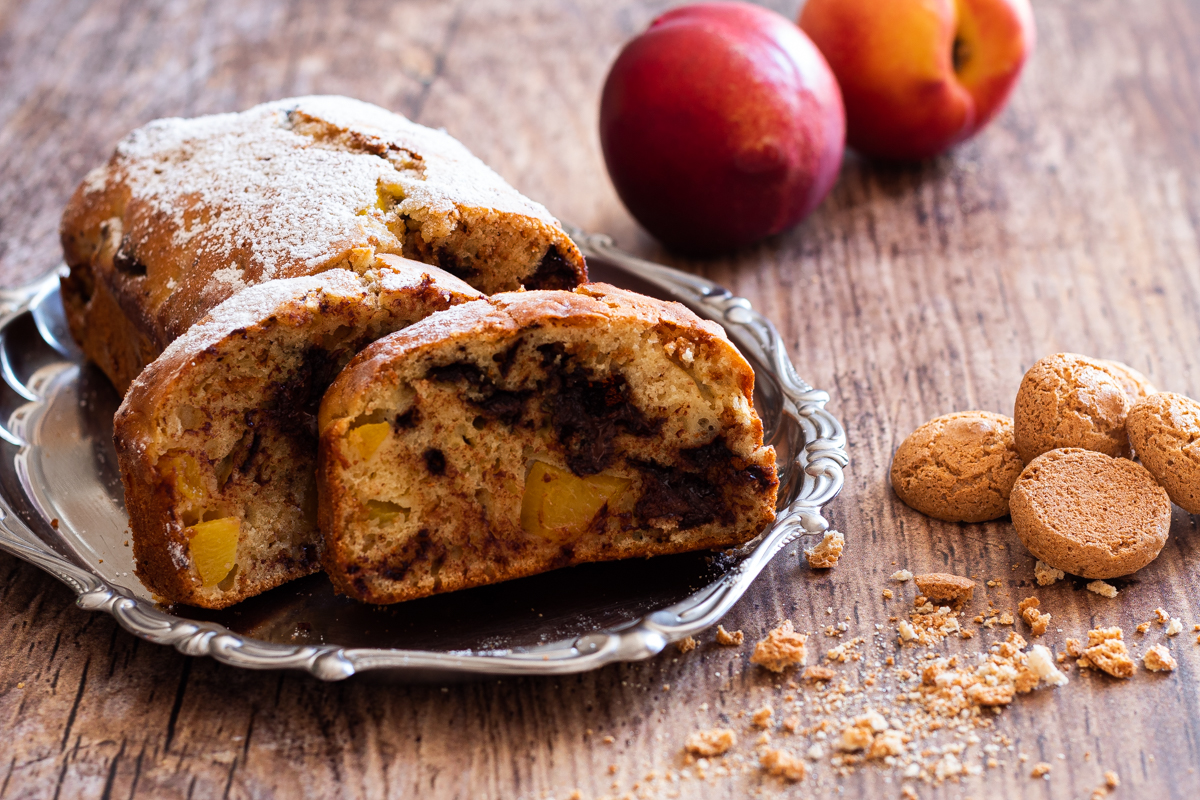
(959, 467)
(1164, 429)
(1069, 400)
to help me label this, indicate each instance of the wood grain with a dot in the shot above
(1072, 223)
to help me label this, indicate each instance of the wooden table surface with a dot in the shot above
(1072, 223)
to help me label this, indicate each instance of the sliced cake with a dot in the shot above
(536, 430)
(217, 438)
(187, 212)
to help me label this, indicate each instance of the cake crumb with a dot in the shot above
(575, 795)
(818, 673)
(608, 740)
(782, 648)
(728, 639)
(826, 554)
(1046, 574)
(714, 742)
(1037, 621)
(1159, 659)
(782, 765)
(1106, 652)
(762, 717)
(686, 644)
(1175, 628)
(1163, 616)
(1143, 627)
(942, 587)
(1040, 770)
(902, 575)
(887, 594)
(1111, 779)
(1103, 589)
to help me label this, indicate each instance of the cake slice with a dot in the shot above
(188, 212)
(217, 438)
(536, 430)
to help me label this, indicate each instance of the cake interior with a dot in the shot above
(233, 453)
(503, 457)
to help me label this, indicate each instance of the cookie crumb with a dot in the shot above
(942, 587)
(1143, 627)
(1046, 574)
(782, 765)
(714, 742)
(1041, 663)
(887, 594)
(1040, 770)
(1111, 779)
(902, 575)
(1103, 589)
(762, 717)
(1037, 621)
(782, 648)
(826, 554)
(1106, 652)
(1163, 616)
(608, 740)
(818, 673)
(686, 644)
(727, 639)
(1159, 659)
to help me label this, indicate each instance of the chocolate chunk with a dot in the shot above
(297, 400)
(588, 414)
(126, 262)
(553, 272)
(495, 403)
(686, 497)
(408, 419)
(435, 461)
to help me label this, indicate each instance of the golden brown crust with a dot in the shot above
(1164, 429)
(505, 323)
(188, 212)
(1069, 400)
(958, 467)
(218, 402)
(1089, 514)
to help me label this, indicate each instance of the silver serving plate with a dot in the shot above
(61, 501)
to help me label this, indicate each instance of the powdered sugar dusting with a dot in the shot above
(287, 187)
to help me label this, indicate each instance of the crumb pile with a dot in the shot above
(895, 700)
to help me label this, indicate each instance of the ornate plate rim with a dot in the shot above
(818, 465)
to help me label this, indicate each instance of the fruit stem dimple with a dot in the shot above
(961, 53)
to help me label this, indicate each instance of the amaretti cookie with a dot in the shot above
(217, 438)
(188, 212)
(959, 467)
(1164, 429)
(1068, 400)
(537, 430)
(1136, 384)
(1090, 514)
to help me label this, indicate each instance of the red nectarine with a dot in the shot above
(919, 76)
(721, 124)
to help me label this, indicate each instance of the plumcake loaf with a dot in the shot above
(188, 212)
(536, 430)
(216, 439)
